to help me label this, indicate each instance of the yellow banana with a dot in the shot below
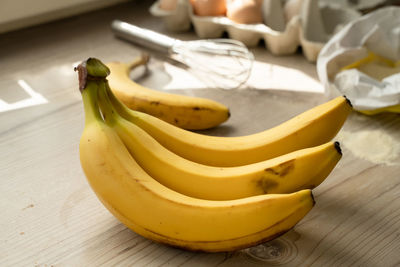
(161, 214)
(373, 58)
(187, 112)
(394, 109)
(314, 127)
(302, 169)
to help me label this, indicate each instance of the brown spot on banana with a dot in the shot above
(266, 184)
(268, 180)
(282, 169)
(196, 108)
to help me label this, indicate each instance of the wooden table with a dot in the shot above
(51, 217)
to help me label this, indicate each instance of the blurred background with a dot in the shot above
(50, 216)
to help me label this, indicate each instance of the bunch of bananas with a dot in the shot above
(202, 192)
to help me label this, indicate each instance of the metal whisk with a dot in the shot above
(225, 63)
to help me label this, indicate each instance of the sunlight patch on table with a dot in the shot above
(33, 99)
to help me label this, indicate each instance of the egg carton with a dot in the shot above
(287, 25)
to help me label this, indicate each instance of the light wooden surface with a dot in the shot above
(51, 217)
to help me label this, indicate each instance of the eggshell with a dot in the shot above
(292, 8)
(209, 7)
(244, 11)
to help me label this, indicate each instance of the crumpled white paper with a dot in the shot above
(377, 32)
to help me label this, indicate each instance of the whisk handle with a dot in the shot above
(143, 37)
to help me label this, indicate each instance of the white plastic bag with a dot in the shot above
(377, 33)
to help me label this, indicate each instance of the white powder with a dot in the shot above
(372, 145)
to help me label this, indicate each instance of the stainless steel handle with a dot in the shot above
(143, 37)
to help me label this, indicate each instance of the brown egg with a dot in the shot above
(244, 11)
(168, 4)
(209, 7)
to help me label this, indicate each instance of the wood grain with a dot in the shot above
(51, 217)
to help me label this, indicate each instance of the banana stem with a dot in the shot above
(120, 107)
(90, 103)
(92, 73)
(110, 115)
(88, 89)
(142, 60)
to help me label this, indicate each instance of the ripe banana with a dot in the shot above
(314, 127)
(161, 214)
(187, 112)
(302, 169)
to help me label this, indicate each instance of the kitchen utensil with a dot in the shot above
(224, 63)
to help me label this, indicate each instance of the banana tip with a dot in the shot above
(312, 197)
(338, 149)
(348, 101)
